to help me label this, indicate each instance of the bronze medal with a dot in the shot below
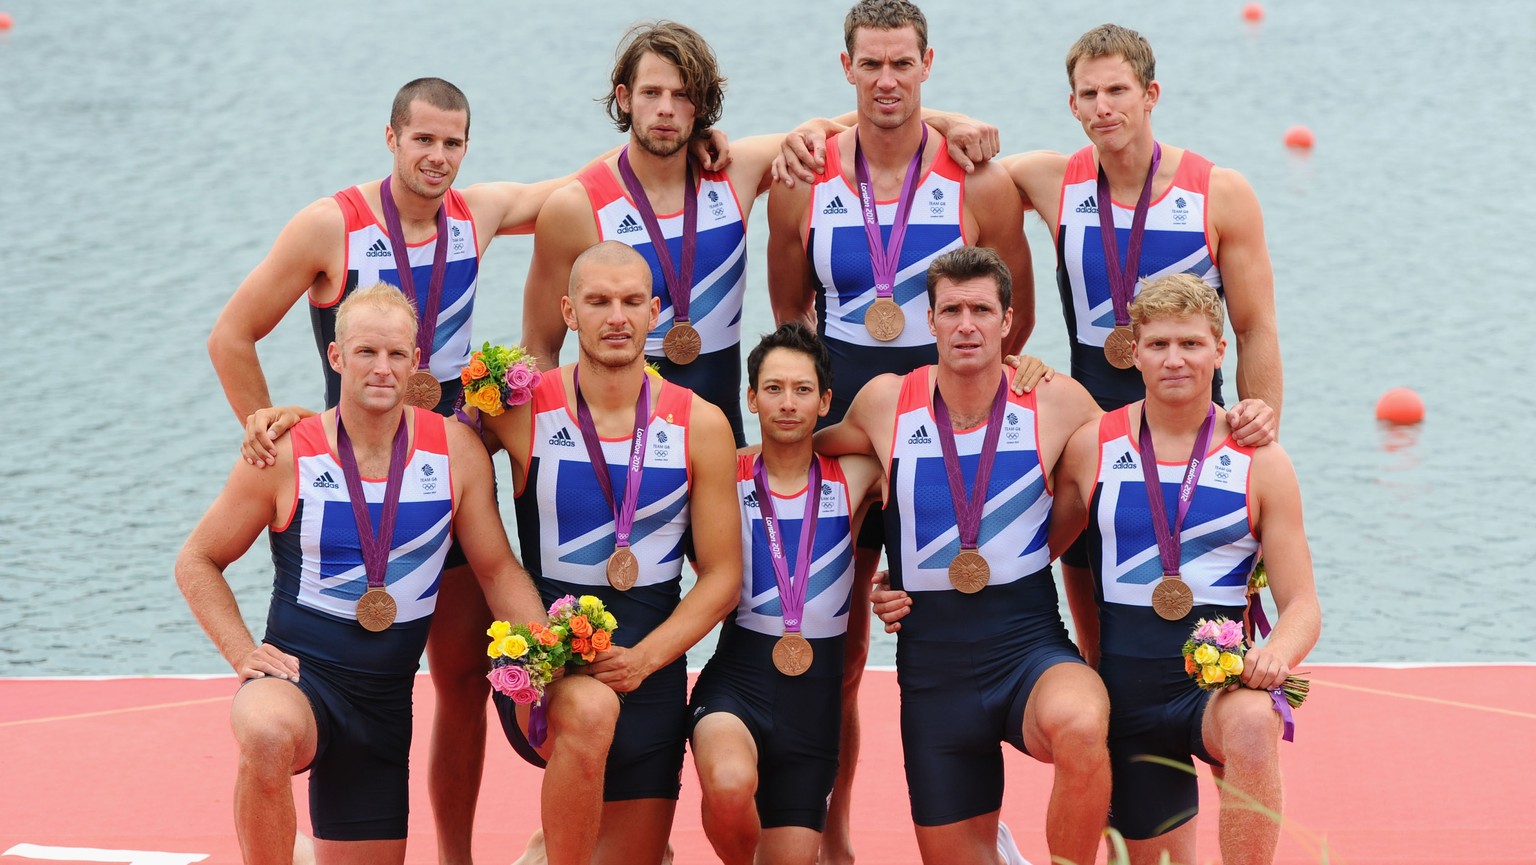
(423, 390)
(1117, 348)
(682, 343)
(1173, 598)
(376, 609)
(792, 654)
(885, 320)
(623, 569)
(969, 572)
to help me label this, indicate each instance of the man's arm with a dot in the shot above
(717, 558)
(304, 252)
(1073, 479)
(873, 409)
(994, 201)
(1288, 562)
(565, 229)
(1037, 177)
(803, 153)
(478, 529)
(247, 505)
(791, 282)
(1249, 284)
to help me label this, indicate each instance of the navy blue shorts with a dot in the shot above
(796, 721)
(646, 758)
(1154, 709)
(960, 698)
(716, 377)
(359, 778)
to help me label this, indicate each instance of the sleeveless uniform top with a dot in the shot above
(370, 258)
(319, 558)
(831, 586)
(720, 263)
(920, 514)
(1175, 241)
(1218, 553)
(566, 528)
(837, 246)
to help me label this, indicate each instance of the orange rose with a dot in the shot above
(548, 638)
(581, 646)
(475, 369)
(464, 376)
(601, 641)
(589, 657)
(580, 626)
(1189, 665)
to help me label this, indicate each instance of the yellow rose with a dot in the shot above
(499, 630)
(1207, 654)
(514, 646)
(588, 601)
(609, 622)
(1231, 663)
(494, 649)
(487, 399)
(1213, 675)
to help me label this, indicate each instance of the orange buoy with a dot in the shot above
(1253, 12)
(1400, 405)
(1299, 138)
(5, 21)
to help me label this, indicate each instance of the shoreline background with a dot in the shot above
(155, 151)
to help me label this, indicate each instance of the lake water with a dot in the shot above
(151, 151)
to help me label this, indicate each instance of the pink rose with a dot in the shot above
(1231, 634)
(509, 678)
(519, 376)
(538, 378)
(1206, 631)
(524, 696)
(518, 396)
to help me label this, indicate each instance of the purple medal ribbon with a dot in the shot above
(1287, 720)
(968, 508)
(426, 316)
(885, 258)
(791, 591)
(1122, 280)
(679, 281)
(1168, 539)
(1256, 614)
(375, 545)
(623, 517)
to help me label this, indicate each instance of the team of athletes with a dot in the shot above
(901, 281)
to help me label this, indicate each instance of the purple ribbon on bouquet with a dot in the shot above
(1283, 706)
(1256, 615)
(538, 724)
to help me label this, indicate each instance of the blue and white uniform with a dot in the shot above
(1154, 707)
(1176, 241)
(370, 259)
(837, 246)
(358, 682)
(565, 529)
(795, 721)
(719, 283)
(966, 663)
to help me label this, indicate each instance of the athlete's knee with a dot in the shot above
(269, 747)
(1249, 728)
(1074, 720)
(729, 784)
(583, 714)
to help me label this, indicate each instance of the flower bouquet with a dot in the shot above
(497, 377)
(525, 657)
(1213, 657)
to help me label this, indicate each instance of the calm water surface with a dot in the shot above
(151, 152)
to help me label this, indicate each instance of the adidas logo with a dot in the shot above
(938, 195)
(1013, 419)
(661, 437)
(750, 501)
(714, 197)
(1125, 461)
(426, 471)
(1226, 460)
(920, 437)
(562, 438)
(1089, 205)
(835, 206)
(326, 482)
(379, 249)
(629, 225)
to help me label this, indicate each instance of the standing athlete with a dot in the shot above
(414, 230)
(766, 708)
(610, 467)
(982, 655)
(1224, 505)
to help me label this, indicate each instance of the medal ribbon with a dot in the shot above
(1168, 539)
(679, 281)
(1287, 720)
(885, 258)
(968, 508)
(623, 517)
(1122, 280)
(426, 317)
(375, 545)
(791, 591)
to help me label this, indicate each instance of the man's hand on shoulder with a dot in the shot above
(264, 427)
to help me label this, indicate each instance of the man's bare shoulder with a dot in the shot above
(1064, 393)
(322, 216)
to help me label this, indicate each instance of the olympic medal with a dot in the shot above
(885, 320)
(969, 572)
(375, 609)
(1173, 598)
(792, 655)
(682, 343)
(423, 390)
(623, 569)
(1117, 348)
